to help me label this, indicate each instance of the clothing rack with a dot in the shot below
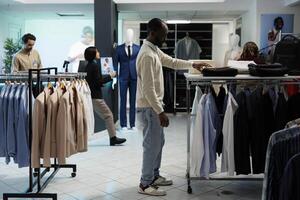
(39, 76)
(200, 80)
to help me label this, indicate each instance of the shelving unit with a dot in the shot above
(175, 84)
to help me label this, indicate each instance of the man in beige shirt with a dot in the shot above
(150, 95)
(27, 57)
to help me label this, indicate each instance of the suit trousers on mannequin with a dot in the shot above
(124, 86)
(102, 109)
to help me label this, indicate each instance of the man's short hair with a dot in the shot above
(87, 30)
(278, 19)
(155, 24)
(28, 37)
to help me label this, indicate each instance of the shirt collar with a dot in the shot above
(128, 44)
(152, 46)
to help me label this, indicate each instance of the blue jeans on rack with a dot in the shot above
(154, 140)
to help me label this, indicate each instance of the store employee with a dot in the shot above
(27, 57)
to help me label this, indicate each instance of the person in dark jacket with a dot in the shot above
(96, 80)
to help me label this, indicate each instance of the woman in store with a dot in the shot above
(96, 80)
(251, 53)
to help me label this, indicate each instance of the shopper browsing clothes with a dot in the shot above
(251, 53)
(27, 58)
(95, 80)
(150, 95)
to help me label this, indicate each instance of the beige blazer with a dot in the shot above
(50, 136)
(65, 127)
(81, 121)
(39, 127)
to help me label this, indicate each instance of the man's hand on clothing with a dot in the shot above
(164, 120)
(201, 66)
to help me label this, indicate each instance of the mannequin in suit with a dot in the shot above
(125, 57)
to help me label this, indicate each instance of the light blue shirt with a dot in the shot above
(210, 122)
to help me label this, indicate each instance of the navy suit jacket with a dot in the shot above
(127, 65)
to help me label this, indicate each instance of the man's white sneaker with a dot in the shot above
(162, 181)
(151, 191)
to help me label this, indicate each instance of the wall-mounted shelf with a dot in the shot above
(174, 81)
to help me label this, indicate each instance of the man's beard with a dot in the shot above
(158, 42)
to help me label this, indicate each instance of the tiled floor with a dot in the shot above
(112, 173)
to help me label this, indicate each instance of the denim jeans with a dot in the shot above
(153, 143)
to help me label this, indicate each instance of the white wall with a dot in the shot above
(135, 26)
(10, 27)
(55, 37)
(249, 24)
(220, 42)
(274, 7)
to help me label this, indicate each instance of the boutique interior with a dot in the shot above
(223, 120)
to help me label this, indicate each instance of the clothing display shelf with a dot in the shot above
(174, 81)
(200, 80)
(38, 77)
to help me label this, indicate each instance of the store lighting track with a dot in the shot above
(75, 14)
(116, 1)
(178, 21)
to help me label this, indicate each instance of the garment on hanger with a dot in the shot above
(14, 124)
(290, 181)
(242, 136)
(197, 143)
(221, 101)
(211, 123)
(283, 145)
(188, 49)
(228, 164)
(60, 122)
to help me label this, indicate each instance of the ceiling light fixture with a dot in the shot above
(70, 14)
(178, 21)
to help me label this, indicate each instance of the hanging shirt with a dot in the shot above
(188, 50)
(210, 123)
(2, 125)
(5, 116)
(23, 152)
(228, 136)
(197, 146)
(11, 130)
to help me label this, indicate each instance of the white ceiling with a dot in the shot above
(117, 1)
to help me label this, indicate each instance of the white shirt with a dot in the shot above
(126, 47)
(197, 143)
(77, 49)
(228, 164)
(150, 83)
